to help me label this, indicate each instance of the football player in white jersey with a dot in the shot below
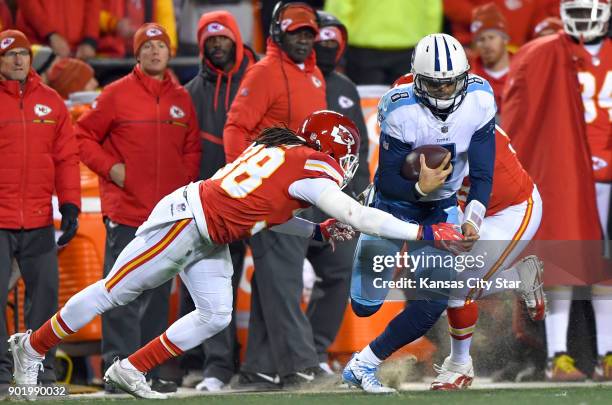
(445, 106)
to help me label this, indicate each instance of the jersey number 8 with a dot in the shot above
(245, 174)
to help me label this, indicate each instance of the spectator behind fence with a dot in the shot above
(521, 17)
(39, 156)
(119, 20)
(490, 38)
(333, 266)
(142, 139)
(281, 89)
(70, 75)
(69, 27)
(64, 75)
(225, 60)
(382, 35)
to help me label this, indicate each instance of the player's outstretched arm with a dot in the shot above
(327, 196)
(368, 220)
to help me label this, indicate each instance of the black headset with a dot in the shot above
(275, 24)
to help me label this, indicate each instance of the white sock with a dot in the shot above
(368, 356)
(460, 350)
(557, 320)
(125, 363)
(602, 307)
(30, 350)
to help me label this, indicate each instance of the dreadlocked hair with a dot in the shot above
(277, 136)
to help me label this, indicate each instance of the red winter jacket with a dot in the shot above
(39, 154)
(151, 127)
(273, 91)
(75, 20)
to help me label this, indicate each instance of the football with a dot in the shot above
(434, 155)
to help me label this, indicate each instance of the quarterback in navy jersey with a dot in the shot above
(445, 106)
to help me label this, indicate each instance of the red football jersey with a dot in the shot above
(595, 77)
(405, 79)
(252, 193)
(511, 183)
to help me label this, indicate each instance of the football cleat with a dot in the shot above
(561, 368)
(131, 381)
(26, 365)
(531, 273)
(603, 368)
(361, 375)
(453, 376)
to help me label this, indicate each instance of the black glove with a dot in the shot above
(70, 223)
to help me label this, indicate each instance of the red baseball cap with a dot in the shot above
(296, 16)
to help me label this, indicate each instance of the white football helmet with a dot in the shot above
(440, 68)
(585, 20)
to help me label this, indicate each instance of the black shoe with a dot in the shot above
(111, 389)
(258, 382)
(308, 377)
(159, 385)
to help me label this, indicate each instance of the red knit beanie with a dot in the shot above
(148, 32)
(11, 39)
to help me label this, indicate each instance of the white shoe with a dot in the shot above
(362, 375)
(326, 368)
(531, 273)
(26, 365)
(131, 381)
(453, 376)
(210, 384)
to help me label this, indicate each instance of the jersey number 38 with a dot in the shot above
(245, 174)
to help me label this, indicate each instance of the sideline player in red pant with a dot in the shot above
(188, 231)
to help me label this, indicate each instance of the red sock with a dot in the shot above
(154, 353)
(461, 321)
(50, 334)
